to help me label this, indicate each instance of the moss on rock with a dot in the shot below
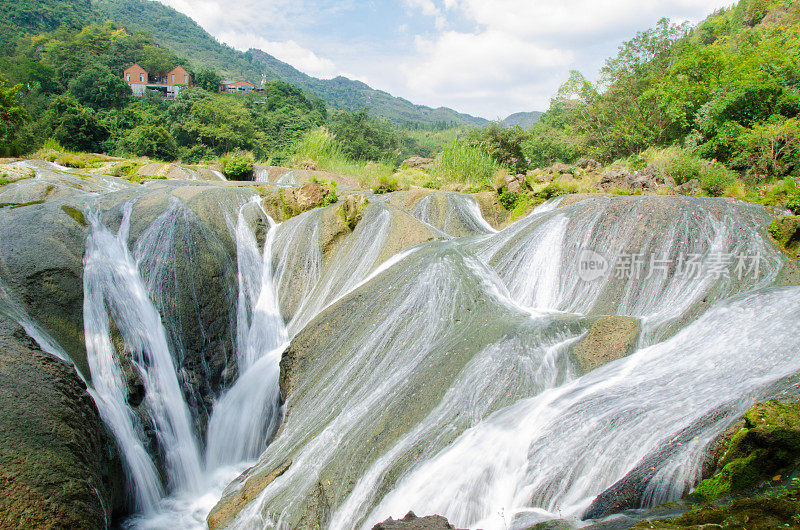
(58, 465)
(768, 442)
(786, 231)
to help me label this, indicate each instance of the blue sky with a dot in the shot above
(488, 58)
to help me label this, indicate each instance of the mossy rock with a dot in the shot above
(761, 513)
(786, 231)
(59, 467)
(768, 443)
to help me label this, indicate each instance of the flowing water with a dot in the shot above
(443, 380)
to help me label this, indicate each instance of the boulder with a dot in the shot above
(616, 178)
(417, 162)
(514, 183)
(610, 338)
(309, 195)
(786, 231)
(412, 522)
(58, 465)
(588, 163)
(691, 187)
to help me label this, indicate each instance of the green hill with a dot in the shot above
(186, 38)
(523, 119)
(26, 17)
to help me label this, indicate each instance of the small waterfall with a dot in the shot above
(113, 289)
(350, 265)
(606, 422)
(261, 174)
(246, 417)
(260, 327)
(287, 180)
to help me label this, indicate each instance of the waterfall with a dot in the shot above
(113, 289)
(469, 342)
(245, 418)
(607, 422)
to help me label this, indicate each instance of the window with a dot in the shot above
(127, 77)
(173, 78)
(141, 78)
(186, 79)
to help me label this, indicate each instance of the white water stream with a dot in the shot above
(540, 439)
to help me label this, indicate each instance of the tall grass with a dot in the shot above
(462, 163)
(320, 146)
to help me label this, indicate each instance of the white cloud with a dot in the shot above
(289, 51)
(516, 52)
(485, 57)
(429, 9)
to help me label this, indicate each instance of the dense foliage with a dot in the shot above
(69, 83)
(728, 89)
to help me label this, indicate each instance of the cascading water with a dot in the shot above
(439, 373)
(245, 417)
(114, 290)
(542, 440)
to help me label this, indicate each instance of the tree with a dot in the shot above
(152, 141)
(98, 88)
(12, 115)
(75, 126)
(208, 80)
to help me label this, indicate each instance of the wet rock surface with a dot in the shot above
(59, 467)
(412, 522)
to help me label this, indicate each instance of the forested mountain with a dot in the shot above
(182, 35)
(523, 119)
(26, 17)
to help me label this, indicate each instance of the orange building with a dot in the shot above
(168, 84)
(237, 87)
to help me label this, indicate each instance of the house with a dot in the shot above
(238, 87)
(169, 84)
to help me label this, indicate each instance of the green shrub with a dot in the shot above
(386, 184)
(152, 141)
(550, 191)
(330, 198)
(716, 179)
(51, 144)
(70, 160)
(509, 199)
(464, 163)
(793, 204)
(237, 166)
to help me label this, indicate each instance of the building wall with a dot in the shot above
(178, 76)
(135, 75)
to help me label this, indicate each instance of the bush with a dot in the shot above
(237, 166)
(772, 149)
(152, 141)
(386, 185)
(509, 199)
(70, 160)
(793, 204)
(716, 179)
(680, 164)
(550, 191)
(461, 162)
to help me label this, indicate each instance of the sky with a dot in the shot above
(488, 58)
